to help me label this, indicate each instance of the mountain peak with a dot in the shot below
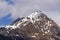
(37, 14)
(33, 17)
(36, 26)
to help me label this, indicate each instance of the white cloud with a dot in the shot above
(3, 9)
(22, 7)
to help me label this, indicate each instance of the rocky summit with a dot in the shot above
(36, 26)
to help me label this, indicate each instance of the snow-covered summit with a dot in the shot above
(36, 15)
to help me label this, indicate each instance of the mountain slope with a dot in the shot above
(36, 26)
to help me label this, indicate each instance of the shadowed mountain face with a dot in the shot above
(36, 26)
(18, 19)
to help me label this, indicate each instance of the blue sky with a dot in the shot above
(6, 20)
(12, 9)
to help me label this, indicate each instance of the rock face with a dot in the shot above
(36, 26)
